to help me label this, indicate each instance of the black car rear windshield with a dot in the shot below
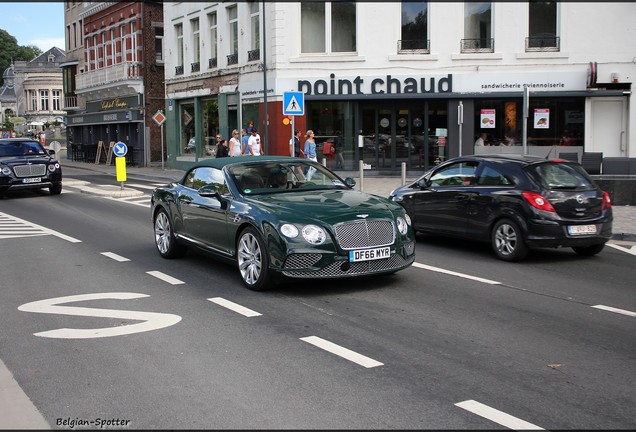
(559, 175)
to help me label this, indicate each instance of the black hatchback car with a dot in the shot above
(515, 202)
(25, 164)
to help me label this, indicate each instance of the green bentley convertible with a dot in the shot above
(281, 217)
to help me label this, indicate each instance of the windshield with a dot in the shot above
(23, 148)
(281, 177)
(560, 176)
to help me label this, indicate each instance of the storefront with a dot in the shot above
(90, 134)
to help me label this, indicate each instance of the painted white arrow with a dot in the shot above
(151, 320)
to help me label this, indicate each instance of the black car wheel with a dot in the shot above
(253, 261)
(507, 241)
(55, 189)
(588, 250)
(166, 242)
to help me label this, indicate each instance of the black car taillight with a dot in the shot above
(607, 202)
(538, 201)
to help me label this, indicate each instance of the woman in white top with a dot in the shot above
(235, 144)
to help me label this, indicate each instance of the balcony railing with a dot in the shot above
(254, 55)
(212, 63)
(178, 70)
(120, 72)
(483, 45)
(195, 67)
(232, 59)
(543, 43)
(413, 46)
(70, 102)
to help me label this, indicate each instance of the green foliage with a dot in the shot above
(11, 51)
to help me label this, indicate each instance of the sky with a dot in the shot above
(34, 23)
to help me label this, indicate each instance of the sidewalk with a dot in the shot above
(624, 226)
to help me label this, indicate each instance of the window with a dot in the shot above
(213, 40)
(34, 100)
(255, 32)
(328, 27)
(95, 53)
(111, 48)
(196, 44)
(458, 174)
(477, 27)
(414, 36)
(491, 177)
(206, 176)
(159, 44)
(55, 97)
(178, 29)
(233, 28)
(122, 37)
(44, 100)
(103, 49)
(133, 41)
(542, 27)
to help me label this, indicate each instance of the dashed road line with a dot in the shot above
(115, 256)
(166, 278)
(342, 352)
(496, 416)
(13, 227)
(234, 307)
(615, 310)
(630, 250)
(453, 273)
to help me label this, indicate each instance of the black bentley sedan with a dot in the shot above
(25, 164)
(279, 217)
(515, 202)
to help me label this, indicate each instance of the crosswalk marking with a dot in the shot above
(13, 227)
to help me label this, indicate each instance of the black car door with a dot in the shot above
(489, 191)
(442, 204)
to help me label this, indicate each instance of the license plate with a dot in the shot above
(369, 254)
(32, 180)
(581, 229)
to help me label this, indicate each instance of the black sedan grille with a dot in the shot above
(31, 170)
(365, 234)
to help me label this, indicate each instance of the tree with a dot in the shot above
(11, 51)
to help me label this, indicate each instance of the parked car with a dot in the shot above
(515, 202)
(25, 164)
(279, 217)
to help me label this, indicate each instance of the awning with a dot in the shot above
(36, 123)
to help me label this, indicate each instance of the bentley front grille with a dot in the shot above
(365, 234)
(30, 170)
(344, 269)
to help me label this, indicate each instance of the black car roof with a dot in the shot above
(520, 158)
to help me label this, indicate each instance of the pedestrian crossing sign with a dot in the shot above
(294, 103)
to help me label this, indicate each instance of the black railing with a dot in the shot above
(232, 59)
(413, 46)
(212, 63)
(195, 67)
(254, 55)
(543, 43)
(178, 70)
(483, 45)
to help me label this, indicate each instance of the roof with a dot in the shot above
(58, 54)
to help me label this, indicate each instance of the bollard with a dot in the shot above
(361, 165)
(403, 173)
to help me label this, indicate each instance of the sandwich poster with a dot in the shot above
(542, 118)
(488, 118)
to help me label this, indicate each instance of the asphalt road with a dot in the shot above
(458, 341)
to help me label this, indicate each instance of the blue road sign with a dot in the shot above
(120, 149)
(294, 103)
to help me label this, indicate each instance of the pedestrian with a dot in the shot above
(254, 143)
(294, 145)
(235, 144)
(338, 143)
(221, 149)
(244, 139)
(481, 141)
(310, 152)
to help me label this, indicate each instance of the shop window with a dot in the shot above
(328, 27)
(188, 141)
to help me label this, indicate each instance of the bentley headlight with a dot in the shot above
(402, 225)
(408, 219)
(314, 234)
(289, 230)
(6, 171)
(54, 166)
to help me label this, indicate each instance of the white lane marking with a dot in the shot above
(631, 250)
(143, 201)
(234, 307)
(114, 256)
(342, 352)
(142, 186)
(452, 273)
(616, 310)
(164, 277)
(151, 320)
(496, 416)
(29, 228)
